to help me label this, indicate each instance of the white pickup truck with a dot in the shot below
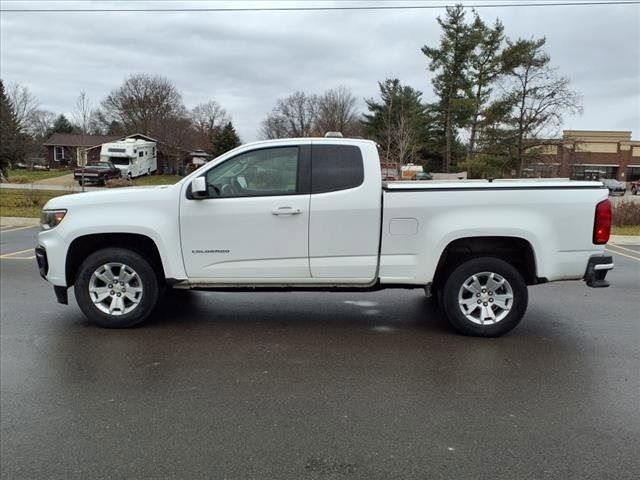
(314, 214)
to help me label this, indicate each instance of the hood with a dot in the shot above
(111, 197)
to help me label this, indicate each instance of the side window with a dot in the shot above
(58, 153)
(335, 167)
(266, 172)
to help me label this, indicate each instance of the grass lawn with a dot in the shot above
(157, 180)
(25, 203)
(28, 176)
(626, 230)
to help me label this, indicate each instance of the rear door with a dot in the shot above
(344, 223)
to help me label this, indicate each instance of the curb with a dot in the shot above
(19, 222)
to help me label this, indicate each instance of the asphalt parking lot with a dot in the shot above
(319, 386)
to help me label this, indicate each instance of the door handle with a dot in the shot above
(286, 211)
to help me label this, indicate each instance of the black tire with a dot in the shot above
(454, 285)
(148, 280)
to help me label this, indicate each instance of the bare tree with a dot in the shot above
(24, 105)
(82, 116)
(405, 139)
(146, 104)
(538, 98)
(41, 123)
(83, 113)
(208, 119)
(337, 113)
(293, 116)
(274, 126)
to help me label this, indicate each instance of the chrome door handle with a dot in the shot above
(286, 211)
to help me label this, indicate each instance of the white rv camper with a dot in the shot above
(132, 156)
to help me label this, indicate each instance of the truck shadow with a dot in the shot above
(300, 309)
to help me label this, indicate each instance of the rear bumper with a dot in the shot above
(597, 269)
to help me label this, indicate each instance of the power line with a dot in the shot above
(529, 3)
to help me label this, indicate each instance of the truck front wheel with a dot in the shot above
(116, 288)
(484, 297)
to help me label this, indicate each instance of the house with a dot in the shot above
(65, 150)
(588, 155)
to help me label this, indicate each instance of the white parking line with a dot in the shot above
(10, 256)
(15, 229)
(637, 252)
(637, 259)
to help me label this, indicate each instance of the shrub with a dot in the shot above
(119, 182)
(19, 179)
(33, 198)
(626, 213)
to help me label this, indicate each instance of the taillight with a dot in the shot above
(602, 223)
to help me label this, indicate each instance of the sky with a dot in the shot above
(247, 60)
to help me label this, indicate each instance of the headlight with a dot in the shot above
(51, 218)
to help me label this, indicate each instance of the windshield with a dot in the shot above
(99, 165)
(120, 160)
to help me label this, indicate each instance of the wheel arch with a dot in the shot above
(85, 245)
(516, 251)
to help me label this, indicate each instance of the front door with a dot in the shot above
(253, 226)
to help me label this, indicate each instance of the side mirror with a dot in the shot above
(199, 187)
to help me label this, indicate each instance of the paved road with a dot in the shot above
(319, 386)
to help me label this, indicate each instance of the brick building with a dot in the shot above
(588, 155)
(64, 150)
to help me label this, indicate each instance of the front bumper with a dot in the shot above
(43, 267)
(43, 262)
(597, 269)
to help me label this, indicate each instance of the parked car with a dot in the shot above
(314, 214)
(423, 176)
(635, 187)
(97, 172)
(614, 186)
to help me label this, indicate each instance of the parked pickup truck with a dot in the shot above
(97, 172)
(313, 214)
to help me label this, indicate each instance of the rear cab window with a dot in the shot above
(336, 167)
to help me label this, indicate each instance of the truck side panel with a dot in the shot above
(557, 223)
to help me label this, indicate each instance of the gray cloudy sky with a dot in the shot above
(246, 60)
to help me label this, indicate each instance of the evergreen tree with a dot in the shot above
(452, 83)
(11, 139)
(225, 140)
(486, 66)
(397, 122)
(61, 125)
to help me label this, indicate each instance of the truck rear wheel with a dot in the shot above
(484, 297)
(116, 288)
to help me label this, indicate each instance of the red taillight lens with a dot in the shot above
(602, 223)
